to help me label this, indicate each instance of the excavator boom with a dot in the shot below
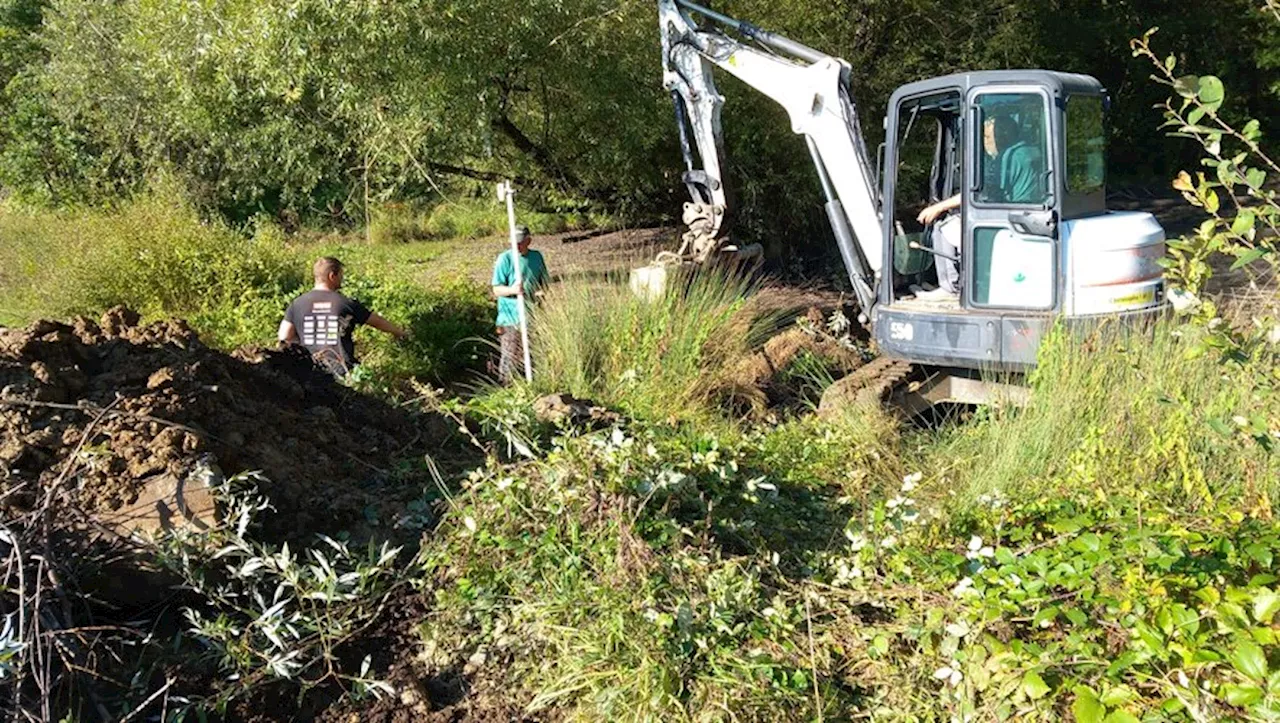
(814, 90)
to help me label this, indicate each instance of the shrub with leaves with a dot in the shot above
(1233, 189)
(1105, 553)
(268, 613)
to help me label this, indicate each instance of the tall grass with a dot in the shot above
(1113, 406)
(658, 358)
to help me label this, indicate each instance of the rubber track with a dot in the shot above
(869, 384)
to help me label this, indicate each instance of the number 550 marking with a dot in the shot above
(900, 331)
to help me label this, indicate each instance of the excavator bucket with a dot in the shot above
(650, 282)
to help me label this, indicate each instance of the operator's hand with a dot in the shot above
(930, 214)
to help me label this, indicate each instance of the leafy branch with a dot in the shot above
(1244, 214)
(279, 614)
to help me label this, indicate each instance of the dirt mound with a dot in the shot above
(120, 403)
(763, 380)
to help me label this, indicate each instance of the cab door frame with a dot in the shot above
(977, 215)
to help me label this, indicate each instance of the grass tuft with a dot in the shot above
(658, 358)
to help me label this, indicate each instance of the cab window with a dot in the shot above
(1013, 138)
(1086, 144)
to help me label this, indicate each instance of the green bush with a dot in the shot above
(481, 217)
(629, 575)
(1105, 552)
(397, 223)
(163, 260)
(152, 253)
(447, 327)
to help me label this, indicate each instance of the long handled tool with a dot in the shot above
(507, 192)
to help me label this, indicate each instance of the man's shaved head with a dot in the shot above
(324, 267)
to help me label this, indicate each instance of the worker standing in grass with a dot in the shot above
(322, 320)
(533, 271)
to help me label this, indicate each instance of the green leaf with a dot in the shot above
(1118, 695)
(1049, 613)
(1087, 708)
(1211, 202)
(1242, 224)
(1194, 116)
(1252, 130)
(1265, 605)
(1088, 542)
(1187, 86)
(1185, 619)
(1211, 92)
(1219, 426)
(1247, 658)
(1241, 695)
(1170, 63)
(1120, 716)
(1246, 258)
(1033, 685)
(1233, 615)
(1227, 175)
(1255, 177)
(1260, 554)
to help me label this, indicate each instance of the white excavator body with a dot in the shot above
(1049, 249)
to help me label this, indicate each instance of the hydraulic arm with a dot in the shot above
(813, 88)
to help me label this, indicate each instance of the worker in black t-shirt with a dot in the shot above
(322, 320)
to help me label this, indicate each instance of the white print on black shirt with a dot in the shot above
(321, 327)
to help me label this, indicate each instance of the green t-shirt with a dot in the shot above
(533, 270)
(1021, 177)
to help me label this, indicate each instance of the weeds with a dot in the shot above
(150, 254)
(1105, 550)
(1111, 406)
(163, 260)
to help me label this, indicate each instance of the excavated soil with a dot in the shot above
(172, 401)
(761, 382)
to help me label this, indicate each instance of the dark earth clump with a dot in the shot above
(154, 400)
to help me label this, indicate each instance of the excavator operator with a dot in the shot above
(1011, 170)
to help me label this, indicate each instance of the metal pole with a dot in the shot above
(507, 192)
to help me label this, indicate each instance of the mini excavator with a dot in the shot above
(1051, 251)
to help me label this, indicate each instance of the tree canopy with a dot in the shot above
(314, 107)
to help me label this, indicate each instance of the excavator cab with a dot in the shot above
(1024, 152)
